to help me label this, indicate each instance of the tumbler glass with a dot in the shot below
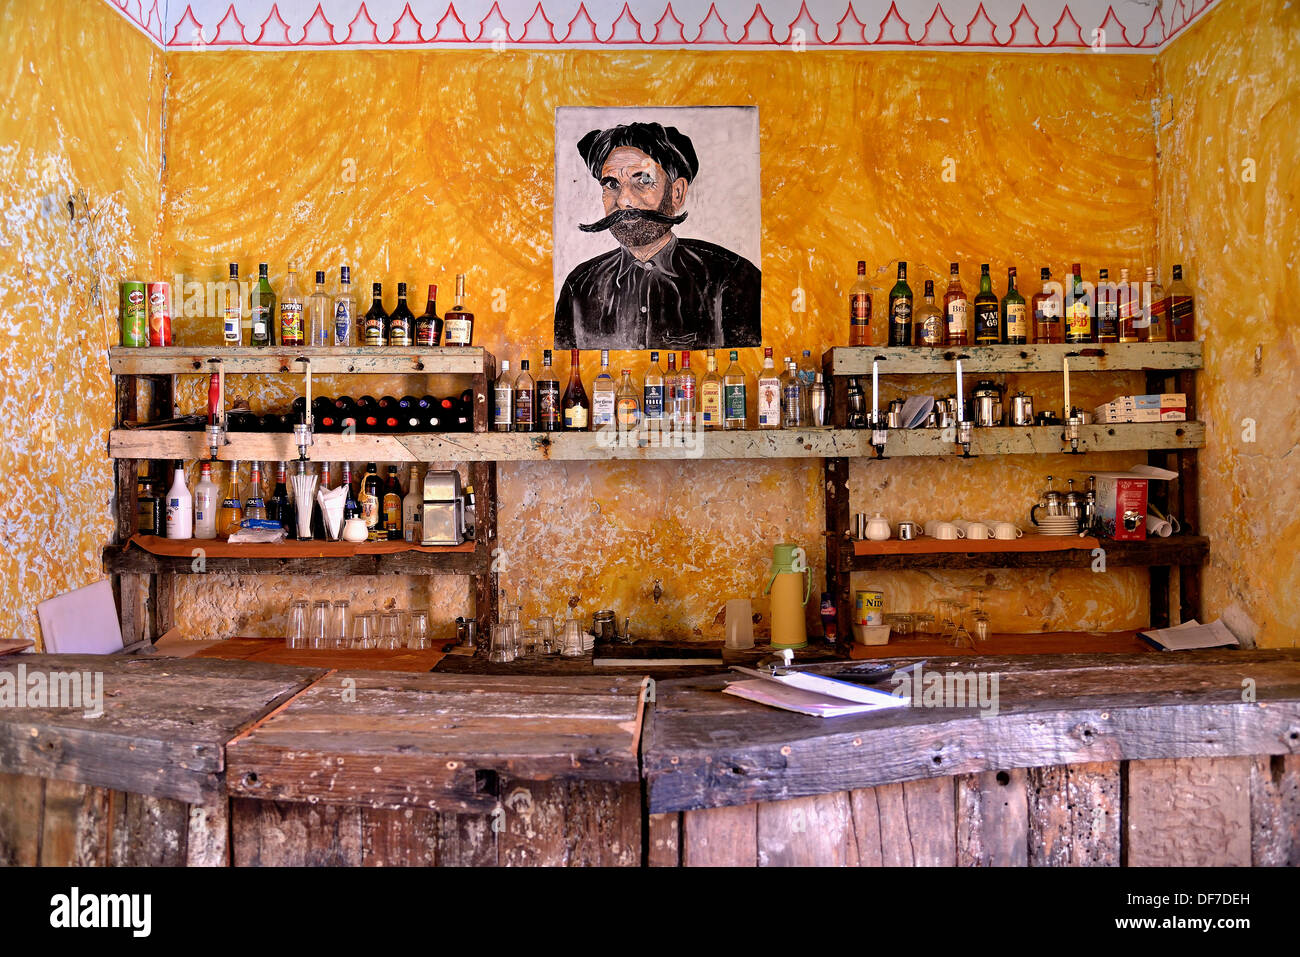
(318, 635)
(295, 635)
(502, 647)
(390, 631)
(572, 639)
(419, 639)
(546, 635)
(364, 634)
(338, 631)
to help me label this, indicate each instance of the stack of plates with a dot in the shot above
(1058, 525)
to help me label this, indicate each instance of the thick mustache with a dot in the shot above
(627, 215)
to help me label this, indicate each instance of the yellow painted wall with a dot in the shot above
(415, 166)
(82, 93)
(1228, 182)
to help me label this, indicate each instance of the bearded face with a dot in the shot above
(638, 197)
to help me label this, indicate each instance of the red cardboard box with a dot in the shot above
(1122, 501)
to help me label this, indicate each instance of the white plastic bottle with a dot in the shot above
(207, 499)
(180, 506)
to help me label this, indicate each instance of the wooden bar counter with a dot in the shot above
(1110, 759)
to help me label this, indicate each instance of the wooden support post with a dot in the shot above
(839, 549)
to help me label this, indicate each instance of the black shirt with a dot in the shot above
(689, 295)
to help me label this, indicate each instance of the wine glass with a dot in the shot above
(961, 633)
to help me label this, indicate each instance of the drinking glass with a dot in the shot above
(531, 642)
(318, 634)
(502, 648)
(961, 634)
(338, 631)
(296, 633)
(419, 639)
(545, 635)
(944, 617)
(390, 631)
(364, 630)
(924, 623)
(572, 639)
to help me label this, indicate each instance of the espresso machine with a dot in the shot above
(443, 508)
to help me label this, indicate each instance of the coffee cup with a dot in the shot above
(945, 531)
(909, 531)
(976, 531)
(1006, 531)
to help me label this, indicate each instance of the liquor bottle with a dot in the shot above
(711, 394)
(261, 310)
(369, 501)
(232, 510)
(255, 504)
(576, 406)
(413, 508)
(793, 402)
(525, 399)
(603, 393)
(408, 412)
(232, 322)
(428, 328)
(860, 309)
(988, 319)
(900, 310)
(956, 312)
(503, 400)
(684, 396)
(807, 376)
(345, 413)
(147, 522)
(457, 324)
(277, 506)
(1047, 311)
(367, 414)
(206, 500)
(1182, 309)
(180, 505)
(1078, 310)
(401, 322)
(733, 395)
(320, 331)
(652, 408)
(769, 394)
(1156, 312)
(1107, 308)
(292, 307)
(374, 325)
(627, 404)
(391, 506)
(1015, 315)
(1130, 309)
(670, 392)
(928, 320)
(548, 397)
(350, 507)
(345, 310)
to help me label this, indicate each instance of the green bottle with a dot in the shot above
(1015, 314)
(900, 310)
(261, 310)
(988, 319)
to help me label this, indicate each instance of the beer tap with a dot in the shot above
(1072, 420)
(878, 434)
(302, 430)
(965, 428)
(216, 428)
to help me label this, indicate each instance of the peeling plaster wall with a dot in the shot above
(80, 126)
(1227, 186)
(415, 166)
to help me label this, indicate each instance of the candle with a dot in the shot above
(961, 396)
(307, 415)
(1065, 371)
(875, 394)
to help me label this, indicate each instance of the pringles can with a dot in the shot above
(869, 607)
(135, 315)
(160, 314)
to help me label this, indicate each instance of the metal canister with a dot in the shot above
(134, 314)
(869, 607)
(987, 402)
(160, 314)
(1022, 409)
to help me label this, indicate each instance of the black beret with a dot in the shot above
(668, 147)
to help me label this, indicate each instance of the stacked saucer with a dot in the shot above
(1058, 525)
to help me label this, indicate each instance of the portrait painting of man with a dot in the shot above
(629, 272)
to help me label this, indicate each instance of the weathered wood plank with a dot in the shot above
(22, 802)
(1174, 550)
(277, 834)
(851, 360)
(918, 825)
(1275, 810)
(75, 825)
(207, 842)
(664, 840)
(993, 819)
(176, 360)
(406, 838)
(468, 840)
(133, 560)
(1074, 815)
(533, 832)
(602, 824)
(807, 832)
(1188, 812)
(148, 831)
(720, 837)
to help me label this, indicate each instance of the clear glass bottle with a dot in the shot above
(795, 402)
(769, 393)
(928, 320)
(345, 311)
(670, 392)
(734, 411)
(652, 408)
(232, 509)
(458, 323)
(711, 394)
(292, 307)
(412, 508)
(503, 395)
(628, 404)
(232, 322)
(525, 399)
(808, 375)
(255, 504)
(603, 395)
(207, 498)
(319, 331)
(684, 396)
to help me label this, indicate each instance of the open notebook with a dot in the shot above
(817, 695)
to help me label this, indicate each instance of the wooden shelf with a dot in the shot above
(1174, 550)
(1084, 357)
(177, 360)
(599, 446)
(459, 560)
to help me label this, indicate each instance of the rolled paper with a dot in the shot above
(304, 491)
(1159, 527)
